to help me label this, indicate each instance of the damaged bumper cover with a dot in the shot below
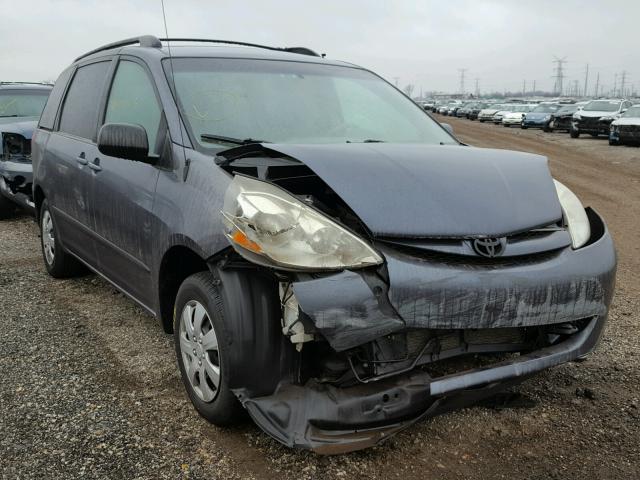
(16, 179)
(349, 309)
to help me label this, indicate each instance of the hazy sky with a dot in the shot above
(421, 42)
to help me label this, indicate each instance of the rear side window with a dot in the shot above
(132, 100)
(48, 117)
(80, 110)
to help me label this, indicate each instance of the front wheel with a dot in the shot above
(574, 133)
(202, 344)
(613, 142)
(59, 264)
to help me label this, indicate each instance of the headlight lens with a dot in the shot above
(270, 226)
(574, 215)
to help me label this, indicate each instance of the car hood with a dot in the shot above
(513, 115)
(537, 115)
(627, 121)
(488, 111)
(409, 190)
(24, 126)
(596, 113)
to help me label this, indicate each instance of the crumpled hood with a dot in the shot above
(24, 126)
(410, 190)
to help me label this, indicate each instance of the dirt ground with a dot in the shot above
(89, 385)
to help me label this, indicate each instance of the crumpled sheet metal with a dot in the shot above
(565, 286)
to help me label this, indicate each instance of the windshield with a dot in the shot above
(568, 109)
(546, 108)
(632, 111)
(602, 106)
(295, 102)
(22, 103)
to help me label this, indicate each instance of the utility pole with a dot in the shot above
(462, 72)
(623, 82)
(586, 79)
(477, 87)
(559, 76)
(597, 85)
(524, 87)
(575, 87)
(534, 87)
(615, 84)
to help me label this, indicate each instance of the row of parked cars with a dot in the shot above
(618, 119)
(323, 251)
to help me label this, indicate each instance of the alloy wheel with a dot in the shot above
(48, 238)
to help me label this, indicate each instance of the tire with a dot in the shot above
(7, 207)
(59, 264)
(547, 129)
(523, 127)
(614, 143)
(594, 135)
(481, 121)
(505, 125)
(574, 133)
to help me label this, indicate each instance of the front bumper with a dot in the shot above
(16, 178)
(534, 123)
(330, 420)
(591, 126)
(512, 121)
(433, 292)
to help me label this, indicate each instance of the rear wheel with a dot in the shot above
(59, 264)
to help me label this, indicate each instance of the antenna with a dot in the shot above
(187, 161)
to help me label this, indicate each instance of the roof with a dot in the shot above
(151, 48)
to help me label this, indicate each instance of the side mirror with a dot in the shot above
(124, 140)
(447, 127)
(623, 110)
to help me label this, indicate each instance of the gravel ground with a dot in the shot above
(89, 385)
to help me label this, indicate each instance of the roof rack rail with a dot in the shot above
(47, 84)
(299, 50)
(154, 42)
(144, 41)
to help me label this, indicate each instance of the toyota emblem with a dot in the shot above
(489, 247)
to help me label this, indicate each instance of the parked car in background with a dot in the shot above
(463, 111)
(626, 129)
(287, 243)
(20, 107)
(475, 110)
(562, 118)
(540, 116)
(596, 117)
(486, 114)
(516, 115)
(504, 109)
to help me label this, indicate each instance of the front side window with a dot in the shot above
(295, 102)
(22, 103)
(132, 100)
(632, 112)
(80, 110)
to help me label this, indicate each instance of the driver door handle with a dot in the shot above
(81, 160)
(95, 166)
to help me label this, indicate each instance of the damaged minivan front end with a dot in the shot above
(440, 276)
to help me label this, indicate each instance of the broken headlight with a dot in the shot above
(267, 225)
(574, 215)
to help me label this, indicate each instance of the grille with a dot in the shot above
(630, 130)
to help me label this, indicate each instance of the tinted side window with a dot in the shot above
(132, 100)
(80, 110)
(48, 117)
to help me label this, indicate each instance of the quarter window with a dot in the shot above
(132, 100)
(80, 111)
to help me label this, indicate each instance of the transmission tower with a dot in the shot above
(586, 80)
(559, 76)
(477, 87)
(462, 72)
(623, 81)
(597, 85)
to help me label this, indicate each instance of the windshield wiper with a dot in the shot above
(207, 137)
(368, 140)
(7, 116)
